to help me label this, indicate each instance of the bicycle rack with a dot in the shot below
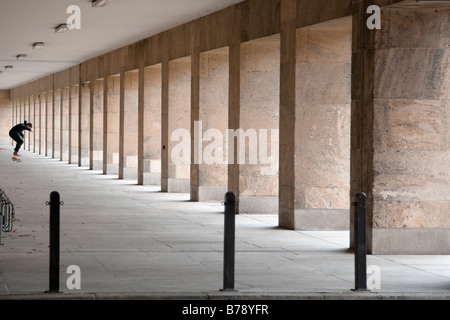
(6, 213)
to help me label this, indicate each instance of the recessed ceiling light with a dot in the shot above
(21, 56)
(99, 3)
(61, 28)
(38, 45)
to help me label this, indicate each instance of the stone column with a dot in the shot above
(84, 124)
(65, 114)
(56, 134)
(49, 122)
(152, 125)
(211, 133)
(73, 124)
(36, 116)
(404, 128)
(259, 124)
(112, 124)
(322, 130)
(130, 125)
(179, 110)
(6, 112)
(97, 126)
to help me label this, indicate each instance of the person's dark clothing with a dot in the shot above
(16, 133)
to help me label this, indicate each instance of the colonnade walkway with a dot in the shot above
(132, 241)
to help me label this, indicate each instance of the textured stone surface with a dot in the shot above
(411, 160)
(322, 147)
(260, 74)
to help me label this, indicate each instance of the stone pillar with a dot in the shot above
(27, 117)
(49, 127)
(44, 123)
(152, 125)
(211, 133)
(96, 154)
(322, 129)
(73, 123)
(130, 125)
(112, 124)
(39, 122)
(84, 124)
(56, 134)
(5, 115)
(35, 121)
(259, 125)
(179, 110)
(165, 124)
(401, 144)
(65, 113)
(287, 114)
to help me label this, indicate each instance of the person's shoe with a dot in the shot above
(17, 154)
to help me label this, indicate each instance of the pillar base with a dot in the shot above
(322, 219)
(258, 204)
(410, 241)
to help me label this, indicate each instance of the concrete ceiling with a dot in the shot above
(121, 22)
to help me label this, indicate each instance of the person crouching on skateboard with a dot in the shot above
(16, 133)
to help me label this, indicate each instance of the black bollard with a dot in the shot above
(360, 242)
(229, 241)
(54, 241)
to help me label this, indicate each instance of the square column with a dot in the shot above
(111, 132)
(179, 111)
(84, 125)
(210, 129)
(401, 140)
(49, 122)
(96, 154)
(152, 125)
(128, 162)
(73, 123)
(64, 120)
(258, 143)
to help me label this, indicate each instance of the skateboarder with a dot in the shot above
(16, 133)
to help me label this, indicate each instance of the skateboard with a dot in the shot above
(17, 159)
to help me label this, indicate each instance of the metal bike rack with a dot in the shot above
(6, 213)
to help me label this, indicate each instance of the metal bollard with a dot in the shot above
(229, 241)
(54, 204)
(360, 242)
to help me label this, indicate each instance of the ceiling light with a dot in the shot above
(21, 56)
(99, 3)
(8, 67)
(61, 28)
(38, 45)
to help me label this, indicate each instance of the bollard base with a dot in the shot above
(52, 291)
(364, 290)
(228, 290)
